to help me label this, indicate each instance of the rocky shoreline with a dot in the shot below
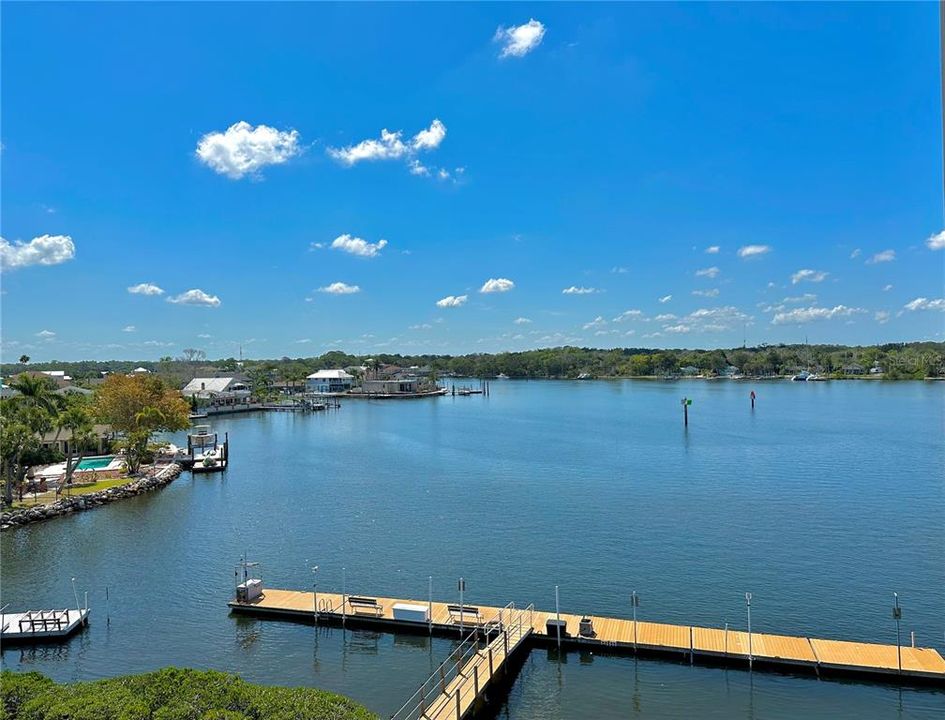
(16, 518)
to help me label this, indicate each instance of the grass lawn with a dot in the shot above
(49, 497)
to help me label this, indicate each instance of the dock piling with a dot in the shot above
(748, 604)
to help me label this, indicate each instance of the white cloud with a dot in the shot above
(709, 272)
(303, 341)
(46, 334)
(748, 251)
(339, 288)
(712, 250)
(922, 303)
(519, 40)
(244, 150)
(619, 270)
(421, 326)
(195, 297)
(714, 292)
(855, 254)
(145, 289)
(452, 301)
(887, 288)
(677, 328)
(628, 315)
(521, 321)
(882, 257)
(805, 298)
(665, 317)
(808, 275)
(595, 323)
(936, 242)
(430, 138)
(882, 316)
(574, 290)
(810, 314)
(357, 246)
(417, 168)
(42, 250)
(391, 146)
(129, 328)
(497, 285)
(205, 336)
(665, 299)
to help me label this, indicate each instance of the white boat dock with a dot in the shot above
(41, 625)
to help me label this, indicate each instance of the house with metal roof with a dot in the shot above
(329, 381)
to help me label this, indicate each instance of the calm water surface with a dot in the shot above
(821, 502)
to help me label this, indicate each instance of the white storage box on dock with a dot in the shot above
(411, 613)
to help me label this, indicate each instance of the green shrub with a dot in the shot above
(168, 694)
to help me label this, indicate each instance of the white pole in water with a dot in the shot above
(633, 603)
(748, 604)
(557, 617)
(74, 592)
(462, 588)
(344, 595)
(430, 604)
(315, 592)
(897, 615)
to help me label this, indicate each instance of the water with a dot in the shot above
(822, 502)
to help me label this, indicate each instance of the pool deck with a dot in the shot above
(623, 636)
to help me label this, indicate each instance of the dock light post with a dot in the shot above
(344, 595)
(748, 605)
(897, 616)
(686, 402)
(462, 588)
(76, 594)
(315, 592)
(634, 603)
(557, 617)
(430, 604)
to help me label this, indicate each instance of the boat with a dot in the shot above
(204, 452)
(802, 376)
(501, 376)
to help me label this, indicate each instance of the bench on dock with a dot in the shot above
(366, 604)
(468, 613)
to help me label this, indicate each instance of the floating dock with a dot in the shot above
(41, 625)
(905, 664)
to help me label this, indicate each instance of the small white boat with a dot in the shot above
(501, 376)
(802, 376)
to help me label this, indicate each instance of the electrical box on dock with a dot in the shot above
(249, 591)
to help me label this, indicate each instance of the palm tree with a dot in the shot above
(76, 418)
(36, 391)
(24, 359)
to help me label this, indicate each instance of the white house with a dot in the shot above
(216, 387)
(329, 381)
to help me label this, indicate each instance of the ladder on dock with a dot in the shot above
(452, 691)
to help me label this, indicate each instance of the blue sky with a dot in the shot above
(695, 174)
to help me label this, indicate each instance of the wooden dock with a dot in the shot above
(622, 636)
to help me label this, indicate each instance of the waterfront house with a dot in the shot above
(391, 386)
(219, 389)
(61, 439)
(140, 371)
(853, 369)
(329, 381)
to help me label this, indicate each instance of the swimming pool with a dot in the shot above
(95, 463)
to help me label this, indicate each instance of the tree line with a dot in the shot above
(895, 360)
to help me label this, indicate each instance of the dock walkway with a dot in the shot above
(617, 635)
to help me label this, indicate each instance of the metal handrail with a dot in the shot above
(444, 674)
